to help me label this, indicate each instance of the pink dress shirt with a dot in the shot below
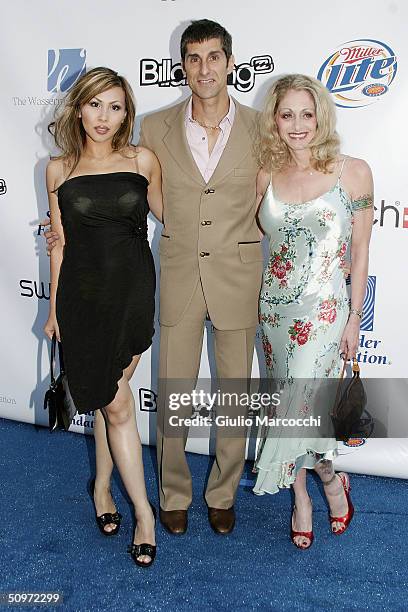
(198, 140)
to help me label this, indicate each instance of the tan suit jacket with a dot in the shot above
(210, 232)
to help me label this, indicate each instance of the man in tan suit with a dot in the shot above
(210, 258)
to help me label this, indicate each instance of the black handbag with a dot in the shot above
(349, 404)
(58, 400)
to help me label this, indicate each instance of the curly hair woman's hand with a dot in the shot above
(350, 338)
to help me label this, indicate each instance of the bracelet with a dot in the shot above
(359, 313)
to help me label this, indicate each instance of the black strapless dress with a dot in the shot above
(105, 295)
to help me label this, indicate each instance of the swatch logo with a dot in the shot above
(31, 288)
(65, 66)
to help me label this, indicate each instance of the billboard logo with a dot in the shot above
(165, 73)
(359, 72)
(147, 400)
(65, 66)
(3, 187)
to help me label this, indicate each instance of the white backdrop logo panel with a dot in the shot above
(46, 57)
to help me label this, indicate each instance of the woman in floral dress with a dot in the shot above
(314, 203)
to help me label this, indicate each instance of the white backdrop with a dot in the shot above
(359, 49)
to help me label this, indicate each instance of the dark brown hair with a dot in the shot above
(204, 29)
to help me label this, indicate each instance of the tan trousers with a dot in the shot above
(180, 353)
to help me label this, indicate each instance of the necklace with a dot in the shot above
(309, 170)
(209, 127)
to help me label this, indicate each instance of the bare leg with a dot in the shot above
(104, 467)
(302, 516)
(126, 450)
(334, 491)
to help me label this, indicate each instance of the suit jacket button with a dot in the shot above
(204, 254)
(207, 191)
(205, 222)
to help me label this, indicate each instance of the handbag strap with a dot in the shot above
(61, 358)
(54, 343)
(356, 374)
(52, 357)
(356, 368)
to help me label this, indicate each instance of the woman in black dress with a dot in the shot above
(100, 190)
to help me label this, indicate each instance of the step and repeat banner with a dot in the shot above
(358, 50)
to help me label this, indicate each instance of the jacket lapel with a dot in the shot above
(239, 144)
(176, 142)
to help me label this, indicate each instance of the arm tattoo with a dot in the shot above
(364, 201)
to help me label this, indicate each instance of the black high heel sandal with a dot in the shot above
(137, 550)
(107, 518)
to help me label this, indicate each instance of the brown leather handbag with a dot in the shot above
(349, 404)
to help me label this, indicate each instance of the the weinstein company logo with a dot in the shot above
(3, 187)
(165, 73)
(65, 66)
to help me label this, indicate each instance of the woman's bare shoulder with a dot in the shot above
(357, 176)
(56, 170)
(355, 164)
(146, 159)
(262, 181)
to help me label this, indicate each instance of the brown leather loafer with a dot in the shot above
(222, 521)
(174, 521)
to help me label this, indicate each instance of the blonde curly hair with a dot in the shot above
(273, 154)
(67, 128)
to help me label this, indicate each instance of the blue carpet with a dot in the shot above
(49, 541)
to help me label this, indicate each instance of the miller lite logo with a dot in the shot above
(359, 72)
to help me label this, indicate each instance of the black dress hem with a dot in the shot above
(126, 361)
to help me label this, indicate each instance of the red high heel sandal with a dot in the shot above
(346, 519)
(305, 534)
